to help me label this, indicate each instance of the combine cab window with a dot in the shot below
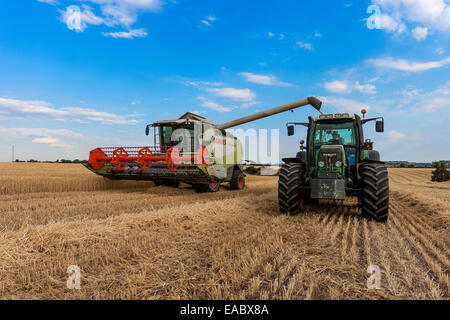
(166, 135)
(183, 136)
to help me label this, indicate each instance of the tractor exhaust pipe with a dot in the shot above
(313, 101)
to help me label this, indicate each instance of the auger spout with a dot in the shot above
(316, 103)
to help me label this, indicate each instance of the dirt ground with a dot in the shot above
(137, 241)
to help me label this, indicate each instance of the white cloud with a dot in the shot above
(434, 100)
(268, 80)
(440, 51)
(435, 103)
(317, 35)
(420, 33)
(305, 45)
(365, 88)
(134, 102)
(203, 83)
(337, 86)
(233, 94)
(396, 135)
(405, 65)
(213, 106)
(208, 20)
(59, 138)
(429, 14)
(63, 114)
(281, 36)
(388, 23)
(78, 19)
(53, 2)
(420, 102)
(113, 12)
(131, 34)
(344, 105)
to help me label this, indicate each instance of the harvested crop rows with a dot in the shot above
(137, 241)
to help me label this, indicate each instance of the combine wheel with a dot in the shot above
(374, 197)
(212, 187)
(237, 181)
(173, 184)
(290, 199)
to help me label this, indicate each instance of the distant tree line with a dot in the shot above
(57, 161)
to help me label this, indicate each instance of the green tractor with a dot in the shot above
(335, 163)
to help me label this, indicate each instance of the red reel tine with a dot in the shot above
(145, 158)
(120, 158)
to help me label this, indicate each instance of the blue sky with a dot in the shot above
(67, 88)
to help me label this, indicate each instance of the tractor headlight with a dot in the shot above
(321, 164)
(338, 164)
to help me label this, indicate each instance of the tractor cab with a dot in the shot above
(334, 143)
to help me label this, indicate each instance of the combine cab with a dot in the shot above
(190, 149)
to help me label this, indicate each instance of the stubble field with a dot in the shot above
(133, 240)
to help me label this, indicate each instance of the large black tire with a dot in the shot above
(237, 181)
(374, 197)
(173, 184)
(212, 187)
(290, 199)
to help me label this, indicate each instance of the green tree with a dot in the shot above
(440, 173)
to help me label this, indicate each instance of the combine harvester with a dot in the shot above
(190, 149)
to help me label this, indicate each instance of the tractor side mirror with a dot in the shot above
(379, 126)
(147, 130)
(291, 130)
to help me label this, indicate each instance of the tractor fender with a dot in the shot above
(297, 160)
(358, 166)
(372, 155)
(294, 160)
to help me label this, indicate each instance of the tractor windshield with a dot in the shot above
(334, 133)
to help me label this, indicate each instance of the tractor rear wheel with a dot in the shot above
(237, 181)
(374, 197)
(290, 199)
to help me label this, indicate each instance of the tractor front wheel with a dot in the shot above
(290, 198)
(374, 197)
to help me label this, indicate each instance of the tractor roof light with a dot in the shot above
(364, 111)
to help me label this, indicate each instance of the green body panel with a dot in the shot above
(366, 154)
(341, 169)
